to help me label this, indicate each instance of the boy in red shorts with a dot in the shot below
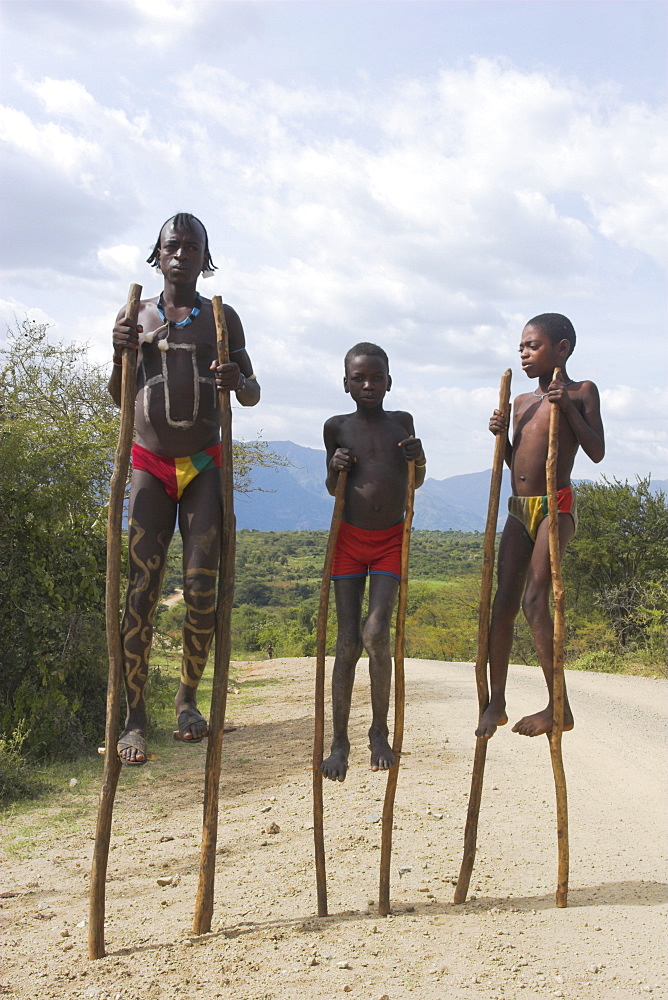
(524, 557)
(373, 445)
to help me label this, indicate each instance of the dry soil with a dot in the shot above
(508, 941)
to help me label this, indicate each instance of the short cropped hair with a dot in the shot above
(556, 327)
(371, 350)
(183, 220)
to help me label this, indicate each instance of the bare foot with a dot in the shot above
(336, 765)
(493, 716)
(541, 723)
(382, 758)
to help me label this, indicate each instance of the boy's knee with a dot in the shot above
(199, 590)
(349, 645)
(535, 603)
(505, 607)
(376, 636)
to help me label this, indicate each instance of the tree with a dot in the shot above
(57, 434)
(249, 455)
(617, 564)
(58, 431)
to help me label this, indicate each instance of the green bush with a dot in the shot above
(57, 431)
(601, 660)
(18, 778)
(160, 691)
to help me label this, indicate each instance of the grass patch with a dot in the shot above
(33, 788)
(634, 664)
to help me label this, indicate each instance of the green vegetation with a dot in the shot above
(278, 586)
(57, 434)
(622, 540)
(616, 573)
(58, 430)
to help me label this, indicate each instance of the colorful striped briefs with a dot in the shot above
(175, 473)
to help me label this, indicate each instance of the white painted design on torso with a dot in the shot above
(163, 379)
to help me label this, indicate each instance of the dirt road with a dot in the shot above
(509, 941)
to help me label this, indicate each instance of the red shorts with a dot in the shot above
(359, 551)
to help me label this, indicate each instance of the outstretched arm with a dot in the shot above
(586, 422)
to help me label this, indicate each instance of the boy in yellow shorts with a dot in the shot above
(524, 574)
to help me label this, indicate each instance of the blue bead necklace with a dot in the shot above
(160, 306)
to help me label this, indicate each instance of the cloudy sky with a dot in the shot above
(425, 175)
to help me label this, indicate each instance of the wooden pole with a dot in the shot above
(112, 763)
(399, 704)
(207, 863)
(554, 736)
(319, 732)
(475, 795)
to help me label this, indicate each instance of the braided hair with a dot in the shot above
(183, 220)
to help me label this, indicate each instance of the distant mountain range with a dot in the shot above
(294, 496)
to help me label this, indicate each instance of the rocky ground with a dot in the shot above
(508, 941)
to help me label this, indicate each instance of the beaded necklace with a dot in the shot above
(160, 306)
(541, 396)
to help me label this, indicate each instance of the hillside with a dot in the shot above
(294, 497)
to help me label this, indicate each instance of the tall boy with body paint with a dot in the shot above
(175, 466)
(373, 445)
(524, 573)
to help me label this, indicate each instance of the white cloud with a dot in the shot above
(124, 260)
(433, 216)
(647, 403)
(74, 155)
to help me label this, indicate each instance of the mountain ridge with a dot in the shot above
(293, 497)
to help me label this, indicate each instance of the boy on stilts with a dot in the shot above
(175, 466)
(374, 446)
(524, 574)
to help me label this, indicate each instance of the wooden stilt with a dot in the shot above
(554, 736)
(399, 704)
(112, 763)
(207, 863)
(475, 795)
(319, 732)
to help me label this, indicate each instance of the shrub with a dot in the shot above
(18, 778)
(601, 660)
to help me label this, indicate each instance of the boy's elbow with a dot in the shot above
(253, 399)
